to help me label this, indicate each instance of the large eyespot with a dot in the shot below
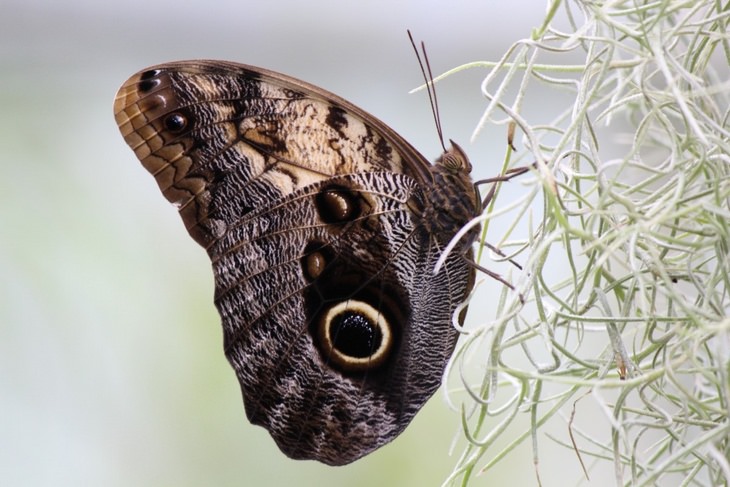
(354, 336)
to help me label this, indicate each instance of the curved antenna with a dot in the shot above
(428, 78)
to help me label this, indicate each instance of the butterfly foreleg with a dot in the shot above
(511, 173)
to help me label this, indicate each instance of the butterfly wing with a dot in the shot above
(197, 123)
(309, 209)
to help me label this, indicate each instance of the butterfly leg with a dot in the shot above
(518, 171)
(511, 173)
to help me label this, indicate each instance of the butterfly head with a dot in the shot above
(455, 159)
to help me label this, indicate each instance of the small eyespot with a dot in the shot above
(149, 74)
(147, 85)
(337, 205)
(315, 259)
(176, 122)
(314, 265)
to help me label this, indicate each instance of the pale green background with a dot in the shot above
(111, 368)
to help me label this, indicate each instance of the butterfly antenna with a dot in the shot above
(428, 77)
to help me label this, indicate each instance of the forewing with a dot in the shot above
(209, 131)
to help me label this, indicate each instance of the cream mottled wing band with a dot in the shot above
(264, 125)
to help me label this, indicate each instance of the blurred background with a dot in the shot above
(111, 365)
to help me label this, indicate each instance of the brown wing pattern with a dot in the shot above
(196, 123)
(312, 212)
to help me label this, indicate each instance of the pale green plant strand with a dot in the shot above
(644, 239)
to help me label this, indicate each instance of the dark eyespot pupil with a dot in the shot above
(175, 122)
(149, 74)
(354, 335)
(148, 80)
(147, 85)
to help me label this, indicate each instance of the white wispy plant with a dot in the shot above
(615, 343)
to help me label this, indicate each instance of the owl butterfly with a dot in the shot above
(323, 226)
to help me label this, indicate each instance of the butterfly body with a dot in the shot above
(323, 227)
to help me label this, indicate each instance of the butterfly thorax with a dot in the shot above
(450, 201)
